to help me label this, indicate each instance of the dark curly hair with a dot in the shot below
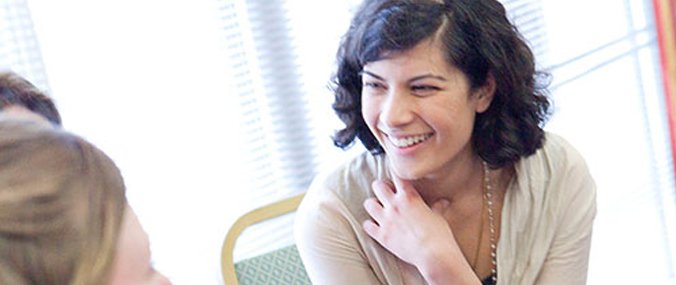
(479, 40)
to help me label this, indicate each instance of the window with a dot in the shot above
(19, 50)
(610, 104)
(213, 107)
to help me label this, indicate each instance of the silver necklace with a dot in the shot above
(488, 197)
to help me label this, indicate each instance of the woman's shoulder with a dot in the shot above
(557, 146)
(556, 157)
(333, 203)
(553, 198)
(557, 171)
(554, 174)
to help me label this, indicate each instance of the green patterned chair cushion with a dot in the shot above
(280, 267)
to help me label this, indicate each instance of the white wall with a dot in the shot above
(146, 82)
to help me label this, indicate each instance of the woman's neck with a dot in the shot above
(455, 181)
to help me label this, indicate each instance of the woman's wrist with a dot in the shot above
(447, 268)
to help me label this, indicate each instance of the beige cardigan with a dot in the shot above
(546, 224)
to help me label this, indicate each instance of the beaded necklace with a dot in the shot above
(488, 199)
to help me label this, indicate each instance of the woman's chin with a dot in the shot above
(406, 172)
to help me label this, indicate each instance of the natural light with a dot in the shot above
(154, 84)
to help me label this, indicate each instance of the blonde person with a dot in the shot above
(64, 218)
(461, 185)
(20, 98)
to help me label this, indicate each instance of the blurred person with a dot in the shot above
(64, 217)
(18, 95)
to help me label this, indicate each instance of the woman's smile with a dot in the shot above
(408, 141)
(421, 110)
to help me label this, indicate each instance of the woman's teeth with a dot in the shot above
(408, 141)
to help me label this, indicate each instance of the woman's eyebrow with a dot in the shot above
(426, 76)
(376, 76)
(419, 77)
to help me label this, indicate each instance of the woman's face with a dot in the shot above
(421, 110)
(132, 261)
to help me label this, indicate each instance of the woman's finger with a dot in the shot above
(384, 192)
(374, 209)
(404, 187)
(372, 229)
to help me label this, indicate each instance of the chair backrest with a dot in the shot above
(281, 266)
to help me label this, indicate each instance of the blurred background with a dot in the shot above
(214, 107)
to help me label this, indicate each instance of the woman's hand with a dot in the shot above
(416, 233)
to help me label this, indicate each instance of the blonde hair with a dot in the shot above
(62, 202)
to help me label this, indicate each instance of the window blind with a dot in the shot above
(19, 48)
(277, 135)
(606, 100)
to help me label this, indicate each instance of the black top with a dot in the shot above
(488, 280)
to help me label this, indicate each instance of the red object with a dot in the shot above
(665, 18)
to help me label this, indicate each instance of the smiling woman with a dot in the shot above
(462, 185)
(422, 115)
(407, 88)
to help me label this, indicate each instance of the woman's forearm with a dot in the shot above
(447, 268)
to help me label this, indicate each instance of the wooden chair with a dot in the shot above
(280, 266)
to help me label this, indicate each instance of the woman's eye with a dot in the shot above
(372, 85)
(374, 88)
(424, 89)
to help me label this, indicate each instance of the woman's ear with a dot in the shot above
(485, 94)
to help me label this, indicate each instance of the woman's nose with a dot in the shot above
(397, 109)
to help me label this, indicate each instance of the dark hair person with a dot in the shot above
(461, 185)
(17, 94)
